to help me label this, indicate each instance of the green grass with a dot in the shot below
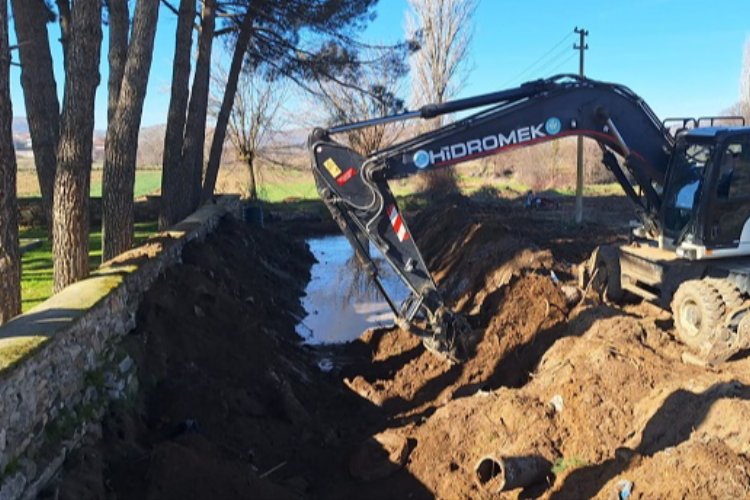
(274, 192)
(36, 265)
(302, 188)
(562, 464)
(146, 182)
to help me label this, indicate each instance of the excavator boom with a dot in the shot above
(355, 188)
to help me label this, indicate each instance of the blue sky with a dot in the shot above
(682, 56)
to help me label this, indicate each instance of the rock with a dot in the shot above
(125, 365)
(13, 487)
(557, 403)
(380, 456)
(572, 294)
(362, 387)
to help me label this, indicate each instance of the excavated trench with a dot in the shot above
(339, 300)
(577, 398)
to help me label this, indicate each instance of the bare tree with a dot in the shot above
(10, 267)
(439, 67)
(444, 28)
(253, 118)
(150, 147)
(39, 92)
(122, 134)
(72, 182)
(367, 91)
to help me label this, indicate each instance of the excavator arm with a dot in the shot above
(355, 188)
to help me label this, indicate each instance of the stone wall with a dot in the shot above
(60, 363)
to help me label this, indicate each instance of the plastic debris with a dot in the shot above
(557, 403)
(624, 488)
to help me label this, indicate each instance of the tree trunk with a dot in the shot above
(253, 188)
(122, 134)
(71, 201)
(10, 267)
(222, 120)
(195, 129)
(119, 19)
(173, 182)
(39, 92)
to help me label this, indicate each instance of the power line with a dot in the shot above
(562, 63)
(533, 65)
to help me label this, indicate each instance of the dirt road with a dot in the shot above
(233, 406)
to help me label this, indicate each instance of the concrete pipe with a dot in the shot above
(496, 473)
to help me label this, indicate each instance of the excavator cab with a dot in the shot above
(705, 209)
(727, 218)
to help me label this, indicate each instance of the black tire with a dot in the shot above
(697, 308)
(604, 267)
(729, 292)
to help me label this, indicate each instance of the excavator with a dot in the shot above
(688, 180)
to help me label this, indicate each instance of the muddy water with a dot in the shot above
(341, 301)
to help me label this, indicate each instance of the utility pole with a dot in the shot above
(581, 48)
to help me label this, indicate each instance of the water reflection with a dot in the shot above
(341, 301)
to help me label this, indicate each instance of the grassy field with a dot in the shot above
(300, 186)
(36, 264)
(277, 184)
(146, 182)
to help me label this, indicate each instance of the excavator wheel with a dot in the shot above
(698, 309)
(729, 292)
(604, 273)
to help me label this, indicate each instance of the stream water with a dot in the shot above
(341, 301)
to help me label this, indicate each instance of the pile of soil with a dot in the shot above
(598, 391)
(232, 405)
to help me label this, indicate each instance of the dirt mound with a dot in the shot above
(603, 407)
(478, 258)
(517, 325)
(608, 398)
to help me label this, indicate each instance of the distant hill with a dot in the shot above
(287, 146)
(21, 127)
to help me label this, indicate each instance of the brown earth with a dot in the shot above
(232, 406)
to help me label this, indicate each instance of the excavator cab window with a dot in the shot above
(689, 165)
(731, 205)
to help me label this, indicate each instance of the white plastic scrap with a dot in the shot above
(624, 488)
(557, 403)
